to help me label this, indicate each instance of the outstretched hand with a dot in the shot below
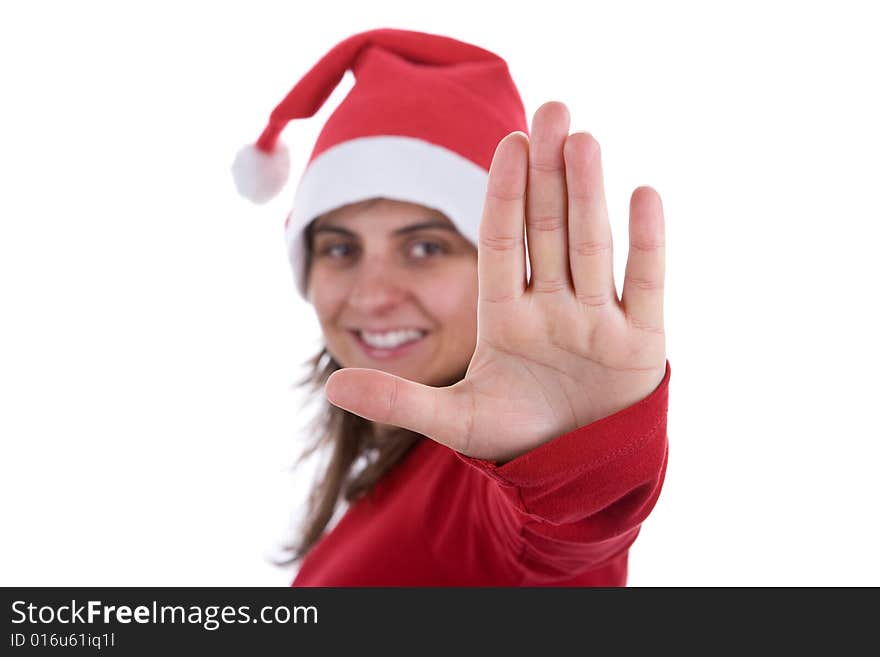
(561, 350)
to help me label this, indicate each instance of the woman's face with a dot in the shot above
(394, 286)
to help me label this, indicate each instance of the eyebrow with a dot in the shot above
(400, 231)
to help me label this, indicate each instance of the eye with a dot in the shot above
(425, 248)
(336, 251)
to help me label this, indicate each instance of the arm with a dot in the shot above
(562, 364)
(571, 504)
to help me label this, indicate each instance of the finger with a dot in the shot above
(546, 224)
(437, 413)
(501, 256)
(589, 232)
(645, 267)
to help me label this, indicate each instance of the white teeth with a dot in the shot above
(390, 339)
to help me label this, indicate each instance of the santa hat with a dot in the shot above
(421, 124)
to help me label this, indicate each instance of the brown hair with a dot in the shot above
(359, 455)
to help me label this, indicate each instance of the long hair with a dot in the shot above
(359, 456)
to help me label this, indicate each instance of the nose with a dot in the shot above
(378, 286)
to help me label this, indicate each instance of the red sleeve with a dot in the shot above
(571, 504)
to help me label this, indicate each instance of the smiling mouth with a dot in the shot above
(388, 344)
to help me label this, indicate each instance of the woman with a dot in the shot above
(496, 416)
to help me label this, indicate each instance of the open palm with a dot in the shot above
(560, 350)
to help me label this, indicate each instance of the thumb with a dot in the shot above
(438, 413)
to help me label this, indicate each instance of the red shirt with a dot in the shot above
(562, 514)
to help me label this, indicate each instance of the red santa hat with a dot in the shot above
(420, 124)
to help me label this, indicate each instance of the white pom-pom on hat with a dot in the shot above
(259, 176)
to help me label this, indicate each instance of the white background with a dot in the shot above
(151, 333)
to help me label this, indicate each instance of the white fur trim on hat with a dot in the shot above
(394, 167)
